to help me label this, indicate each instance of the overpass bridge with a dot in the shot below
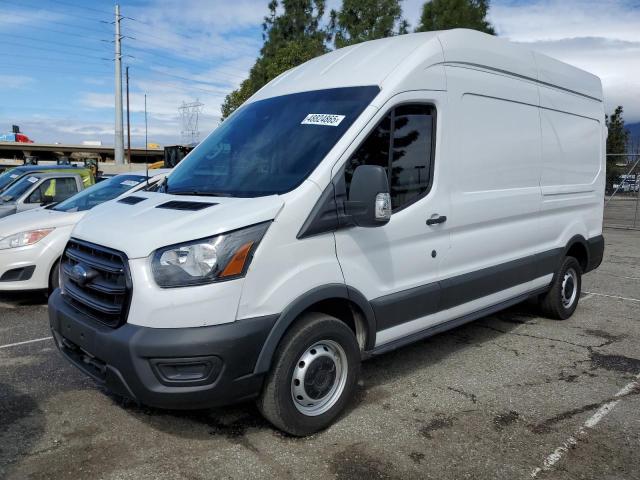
(54, 151)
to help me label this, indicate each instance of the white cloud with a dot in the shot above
(560, 19)
(602, 37)
(14, 81)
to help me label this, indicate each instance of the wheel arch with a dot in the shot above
(343, 302)
(578, 248)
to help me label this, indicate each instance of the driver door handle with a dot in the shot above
(436, 219)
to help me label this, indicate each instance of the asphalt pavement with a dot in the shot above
(509, 396)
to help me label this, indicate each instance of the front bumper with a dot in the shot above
(36, 258)
(127, 360)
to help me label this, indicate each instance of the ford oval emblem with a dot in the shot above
(82, 275)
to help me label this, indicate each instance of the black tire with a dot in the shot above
(54, 277)
(276, 401)
(567, 285)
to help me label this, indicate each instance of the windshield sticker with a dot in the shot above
(326, 119)
(32, 179)
(129, 183)
(13, 175)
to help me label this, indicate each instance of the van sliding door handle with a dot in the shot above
(437, 219)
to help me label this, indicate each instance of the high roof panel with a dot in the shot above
(405, 56)
(367, 63)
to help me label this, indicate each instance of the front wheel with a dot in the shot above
(313, 376)
(54, 277)
(562, 298)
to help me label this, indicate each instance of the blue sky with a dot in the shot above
(56, 76)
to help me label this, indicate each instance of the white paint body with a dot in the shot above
(45, 253)
(519, 170)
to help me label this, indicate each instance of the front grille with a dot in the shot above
(96, 281)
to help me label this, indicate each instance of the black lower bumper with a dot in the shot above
(596, 252)
(177, 368)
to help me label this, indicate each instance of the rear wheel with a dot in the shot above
(313, 376)
(562, 298)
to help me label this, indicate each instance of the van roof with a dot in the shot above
(390, 62)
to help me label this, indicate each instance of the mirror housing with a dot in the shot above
(369, 203)
(46, 200)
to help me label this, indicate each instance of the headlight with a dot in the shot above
(209, 260)
(23, 239)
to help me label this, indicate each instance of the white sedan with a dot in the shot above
(32, 242)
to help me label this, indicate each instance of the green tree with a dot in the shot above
(617, 142)
(361, 20)
(445, 14)
(290, 38)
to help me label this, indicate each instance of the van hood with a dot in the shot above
(140, 229)
(37, 218)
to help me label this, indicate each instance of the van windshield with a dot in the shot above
(270, 146)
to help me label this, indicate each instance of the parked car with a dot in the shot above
(12, 175)
(37, 190)
(364, 200)
(31, 243)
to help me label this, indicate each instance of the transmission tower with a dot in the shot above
(189, 113)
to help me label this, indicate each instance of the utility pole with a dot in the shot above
(128, 119)
(119, 140)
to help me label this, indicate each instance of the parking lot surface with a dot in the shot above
(509, 396)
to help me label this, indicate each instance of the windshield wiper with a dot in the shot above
(200, 193)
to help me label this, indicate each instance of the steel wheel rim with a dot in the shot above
(569, 290)
(319, 378)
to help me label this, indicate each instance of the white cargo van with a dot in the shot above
(364, 200)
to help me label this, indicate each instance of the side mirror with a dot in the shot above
(369, 202)
(46, 200)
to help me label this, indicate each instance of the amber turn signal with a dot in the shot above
(236, 264)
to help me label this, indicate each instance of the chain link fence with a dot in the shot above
(622, 198)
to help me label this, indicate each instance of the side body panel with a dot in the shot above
(285, 268)
(572, 179)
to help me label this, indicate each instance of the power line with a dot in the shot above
(137, 39)
(40, 9)
(160, 72)
(58, 60)
(81, 55)
(176, 62)
(29, 68)
(187, 88)
(50, 42)
(75, 5)
(72, 34)
(55, 22)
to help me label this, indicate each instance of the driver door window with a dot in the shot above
(54, 190)
(402, 143)
(37, 196)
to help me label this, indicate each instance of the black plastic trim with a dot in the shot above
(442, 327)
(595, 250)
(21, 274)
(324, 215)
(303, 302)
(185, 205)
(122, 359)
(407, 305)
(401, 307)
(132, 200)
